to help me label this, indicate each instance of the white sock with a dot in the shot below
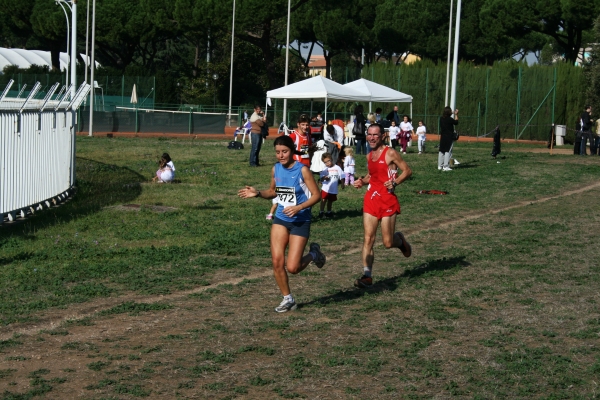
(289, 297)
(367, 271)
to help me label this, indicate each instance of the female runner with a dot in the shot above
(296, 191)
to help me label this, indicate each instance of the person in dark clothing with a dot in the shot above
(447, 124)
(586, 134)
(393, 116)
(496, 148)
(359, 130)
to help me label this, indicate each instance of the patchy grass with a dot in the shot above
(491, 305)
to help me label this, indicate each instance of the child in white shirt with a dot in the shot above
(394, 131)
(166, 170)
(421, 131)
(329, 180)
(349, 164)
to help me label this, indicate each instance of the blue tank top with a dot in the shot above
(291, 190)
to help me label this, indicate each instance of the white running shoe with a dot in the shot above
(286, 306)
(439, 168)
(446, 169)
(456, 162)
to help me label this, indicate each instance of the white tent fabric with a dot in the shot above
(26, 58)
(378, 93)
(317, 88)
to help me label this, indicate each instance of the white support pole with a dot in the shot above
(87, 42)
(231, 66)
(73, 48)
(93, 67)
(287, 57)
(455, 66)
(449, 52)
(68, 39)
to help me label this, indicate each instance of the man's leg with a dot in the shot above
(370, 224)
(254, 139)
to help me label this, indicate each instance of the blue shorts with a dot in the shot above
(301, 228)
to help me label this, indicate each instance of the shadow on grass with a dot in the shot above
(431, 268)
(98, 185)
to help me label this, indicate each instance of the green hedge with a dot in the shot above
(506, 94)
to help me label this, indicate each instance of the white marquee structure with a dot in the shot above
(37, 149)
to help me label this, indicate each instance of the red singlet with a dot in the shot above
(302, 144)
(378, 201)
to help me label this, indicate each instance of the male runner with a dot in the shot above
(303, 140)
(380, 203)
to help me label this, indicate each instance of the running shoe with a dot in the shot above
(456, 162)
(439, 168)
(405, 247)
(446, 169)
(269, 217)
(319, 261)
(286, 306)
(363, 282)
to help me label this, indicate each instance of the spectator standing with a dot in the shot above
(393, 116)
(447, 124)
(394, 132)
(349, 164)
(406, 132)
(302, 139)
(586, 127)
(359, 129)
(330, 177)
(258, 121)
(378, 114)
(421, 135)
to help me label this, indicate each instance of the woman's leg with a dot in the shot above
(295, 261)
(279, 241)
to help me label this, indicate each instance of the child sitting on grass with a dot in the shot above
(330, 177)
(166, 170)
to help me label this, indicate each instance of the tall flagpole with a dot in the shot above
(73, 48)
(287, 58)
(93, 67)
(449, 51)
(455, 66)
(231, 66)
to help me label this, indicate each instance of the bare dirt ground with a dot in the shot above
(230, 328)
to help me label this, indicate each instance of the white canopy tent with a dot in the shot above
(379, 93)
(317, 88)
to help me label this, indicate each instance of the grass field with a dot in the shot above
(133, 289)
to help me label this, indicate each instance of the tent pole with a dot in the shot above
(411, 111)
(325, 108)
(370, 106)
(311, 105)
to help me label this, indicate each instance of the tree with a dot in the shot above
(564, 21)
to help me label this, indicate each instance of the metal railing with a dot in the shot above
(37, 149)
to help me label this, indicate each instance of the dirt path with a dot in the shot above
(55, 318)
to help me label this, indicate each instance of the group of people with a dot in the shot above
(295, 190)
(586, 132)
(399, 132)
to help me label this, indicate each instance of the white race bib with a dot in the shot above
(304, 149)
(286, 195)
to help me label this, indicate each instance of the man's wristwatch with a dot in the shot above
(394, 184)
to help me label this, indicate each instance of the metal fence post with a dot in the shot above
(478, 118)
(190, 122)
(518, 104)
(487, 82)
(122, 90)
(426, 90)
(554, 96)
